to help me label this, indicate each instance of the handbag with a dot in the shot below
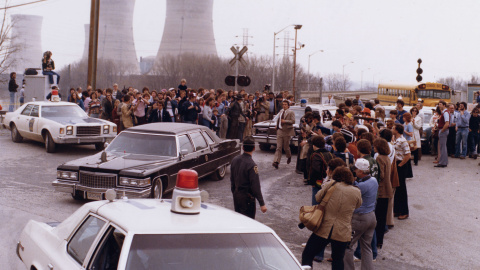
(312, 215)
(413, 143)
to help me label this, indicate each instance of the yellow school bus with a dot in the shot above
(430, 93)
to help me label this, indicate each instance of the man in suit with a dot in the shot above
(159, 114)
(191, 110)
(329, 101)
(284, 124)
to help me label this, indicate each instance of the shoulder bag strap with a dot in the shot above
(326, 197)
(347, 159)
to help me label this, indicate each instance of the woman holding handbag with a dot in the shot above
(417, 123)
(336, 227)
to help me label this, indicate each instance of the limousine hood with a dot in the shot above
(116, 162)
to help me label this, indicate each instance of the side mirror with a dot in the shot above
(183, 152)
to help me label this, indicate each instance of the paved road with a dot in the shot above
(441, 233)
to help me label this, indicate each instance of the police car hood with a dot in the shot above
(75, 120)
(269, 123)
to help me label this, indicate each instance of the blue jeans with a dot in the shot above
(206, 123)
(473, 138)
(462, 135)
(11, 107)
(358, 253)
(50, 76)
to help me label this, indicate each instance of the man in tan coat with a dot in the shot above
(284, 125)
(127, 110)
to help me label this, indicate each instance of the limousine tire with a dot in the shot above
(49, 143)
(157, 189)
(220, 173)
(78, 195)
(99, 146)
(16, 137)
(264, 146)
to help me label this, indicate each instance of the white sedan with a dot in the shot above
(58, 123)
(138, 234)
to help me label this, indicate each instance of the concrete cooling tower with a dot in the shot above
(188, 28)
(26, 42)
(115, 34)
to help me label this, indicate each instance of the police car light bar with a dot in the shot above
(186, 198)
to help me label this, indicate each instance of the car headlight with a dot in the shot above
(67, 175)
(114, 128)
(106, 129)
(135, 182)
(62, 131)
(69, 130)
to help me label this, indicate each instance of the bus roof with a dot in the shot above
(398, 86)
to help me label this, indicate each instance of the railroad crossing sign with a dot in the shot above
(238, 55)
(238, 58)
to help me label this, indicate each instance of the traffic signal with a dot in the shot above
(419, 71)
(230, 80)
(243, 80)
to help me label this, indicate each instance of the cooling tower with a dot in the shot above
(26, 42)
(115, 35)
(188, 28)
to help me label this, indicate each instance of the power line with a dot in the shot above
(24, 4)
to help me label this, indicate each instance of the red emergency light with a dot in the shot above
(187, 179)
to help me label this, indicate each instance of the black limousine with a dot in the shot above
(143, 161)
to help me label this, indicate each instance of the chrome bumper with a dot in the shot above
(71, 187)
(273, 140)
(84, 140)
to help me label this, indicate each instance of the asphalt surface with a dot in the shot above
(441, 233)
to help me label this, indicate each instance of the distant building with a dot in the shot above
(188, 28)
(26, 42)
(115, 35)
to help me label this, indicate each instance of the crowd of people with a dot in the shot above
(231, 114)
(367, 150)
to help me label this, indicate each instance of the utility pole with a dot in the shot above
(93, 43)
(297, 27)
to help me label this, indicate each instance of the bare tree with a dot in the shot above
(455, 83)
(6, 47)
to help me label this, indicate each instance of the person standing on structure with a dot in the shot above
(245, 182)
(48, 65)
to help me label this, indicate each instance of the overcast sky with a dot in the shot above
(384, 35)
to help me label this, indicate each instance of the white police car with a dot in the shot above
(57, 122)
(181, 233)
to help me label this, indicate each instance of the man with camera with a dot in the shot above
(139, 105)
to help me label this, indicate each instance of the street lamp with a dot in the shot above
(343, 76)
(373, 79)
(308, 81)
(297, 27)
(361, 83)
(273, 65)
